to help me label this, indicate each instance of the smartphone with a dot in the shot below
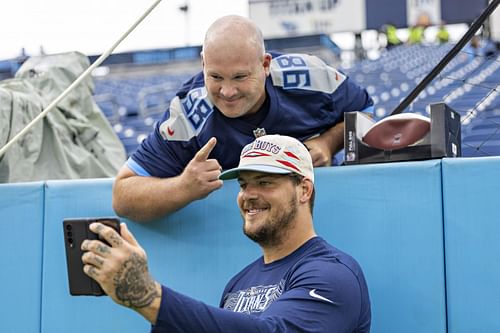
(76, 230)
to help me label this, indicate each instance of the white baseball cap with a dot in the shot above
(273, 154)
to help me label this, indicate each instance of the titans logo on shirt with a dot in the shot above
(254, 299)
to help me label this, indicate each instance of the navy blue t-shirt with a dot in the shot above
(317, 288)
(305, 97)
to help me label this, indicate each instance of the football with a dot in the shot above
(397, 131)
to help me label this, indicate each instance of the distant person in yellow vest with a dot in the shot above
(442, 36)
(416, 34)
(390, 32)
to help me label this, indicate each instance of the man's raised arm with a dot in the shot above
(147, 198)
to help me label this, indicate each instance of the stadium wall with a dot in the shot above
(424, 232)
(304, 17)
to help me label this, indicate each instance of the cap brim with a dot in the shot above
(235, 172)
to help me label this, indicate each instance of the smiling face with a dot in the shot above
(235, 66)
(235, 83)
(268, 205)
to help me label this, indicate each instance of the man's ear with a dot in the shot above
(306, 190)
(267, 63)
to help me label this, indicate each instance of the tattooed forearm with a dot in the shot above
(134, 286)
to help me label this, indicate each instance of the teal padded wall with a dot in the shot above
(471, 189)
(60, 311)
(389, 217)
(21, 225)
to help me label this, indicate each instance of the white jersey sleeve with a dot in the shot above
(302, 71)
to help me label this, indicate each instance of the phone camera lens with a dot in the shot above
(68, 227)
(70, 234)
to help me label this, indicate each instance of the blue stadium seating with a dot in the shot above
(466, 84)
(134, 103)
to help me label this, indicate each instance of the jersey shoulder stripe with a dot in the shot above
(187, 115)
(307, 72)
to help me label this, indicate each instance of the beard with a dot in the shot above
(275, 229)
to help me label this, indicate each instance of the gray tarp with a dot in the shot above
(74, 140)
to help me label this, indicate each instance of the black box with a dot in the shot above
(443, 139)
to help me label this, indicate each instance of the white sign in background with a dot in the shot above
(428, 11)
(280, 18)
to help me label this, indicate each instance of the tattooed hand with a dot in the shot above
(122, 270)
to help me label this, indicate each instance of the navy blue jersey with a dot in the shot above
(305, 97)
(317, 288)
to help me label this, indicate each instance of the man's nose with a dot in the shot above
(228, 90)
(249, 192)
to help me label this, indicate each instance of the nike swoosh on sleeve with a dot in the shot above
(313, 294)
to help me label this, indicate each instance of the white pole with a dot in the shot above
(78, 80)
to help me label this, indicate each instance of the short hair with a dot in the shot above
(232, 23)
(296, 180)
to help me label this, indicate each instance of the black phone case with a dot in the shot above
(76, 230)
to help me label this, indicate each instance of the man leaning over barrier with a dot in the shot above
(242, 93)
